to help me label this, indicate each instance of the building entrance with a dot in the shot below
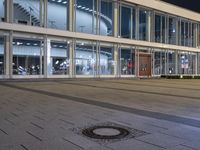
(144, 64)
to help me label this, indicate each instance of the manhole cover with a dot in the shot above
(105, 132)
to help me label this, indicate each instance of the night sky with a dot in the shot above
(189, 4)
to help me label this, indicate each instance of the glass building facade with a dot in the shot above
(96, 38)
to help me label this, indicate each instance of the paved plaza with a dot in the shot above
(51, 114)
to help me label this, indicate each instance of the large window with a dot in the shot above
(58, 57)
(93, 17)
(57, 14)
(27, 59)
(85, 58)
(107, 63)
(171, 62)
(143, 24)
(172, 31)
(1, 55)
(28, 12)
(187, 62)
(2, 6)
(106, 15)
(159, 62)
(127, 61)
(160, 28)
(199, 35)
(125, 22)
(187, 30)
(86, 16)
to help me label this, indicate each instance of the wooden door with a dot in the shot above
(144, 65)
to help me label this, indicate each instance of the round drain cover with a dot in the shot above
(105, 132)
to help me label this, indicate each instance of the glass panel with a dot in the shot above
(85, 58)
(106, 15)
(163, 63)
(157, 63)
(125, 25)
(86, 16)
(171, 62)
(27, 12)
(186, 33)
(187, 62)
(199, 37)
(57, 14)
(143, 25)
(172, 31)
(192, 63)
(163, 29)
(133, 24)
(157, 28)
(127, 62)
(2, 55)
(26, 56)
(198, 63)
(106, 60)
(182, 33)
(2, 6)
(58, 61)
(192, 38)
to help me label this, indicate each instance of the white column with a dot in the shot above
(71, 15)
(48, 55)
(116, 61)
(71, 59)
(115, 18)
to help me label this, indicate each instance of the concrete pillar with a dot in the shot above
(48, 58)
(71, 16)
(8, 55)
(149, 16)
(72, 59)
(9, 11)
(43, 52)
(116, 61)
(45, 20)
(115, 18)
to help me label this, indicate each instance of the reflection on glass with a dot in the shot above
(59, 60)
(2, 6)
(125, 22)
(26, 56)
(57, 14)
(86, 15)
(157, 28)
(157, 63)
(85, 58)
(143, 25)
(27, 12)
(171, 60)
(172, 31)
(127, 62)
(187, 62)
(1, 55)
(106, 16)
(106, 60)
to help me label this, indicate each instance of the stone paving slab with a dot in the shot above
(34, 120)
